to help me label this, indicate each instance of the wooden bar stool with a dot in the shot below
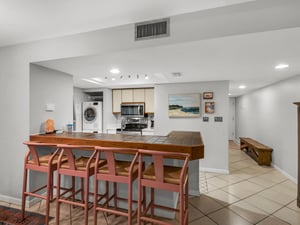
(160, 176)
(115, 171)
(83, 168)
(46, 164)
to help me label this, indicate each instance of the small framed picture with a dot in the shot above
(208, 95)
(209, 107)
(205, 118)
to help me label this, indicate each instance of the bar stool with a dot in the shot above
(115, 171)
(45, 164)
(163, 177)
(83, 168)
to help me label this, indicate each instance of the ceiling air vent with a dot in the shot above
(152, 29)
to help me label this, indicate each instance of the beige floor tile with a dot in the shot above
(274, 176)
(254, 170)
(227, 217)
(241, 174)
(248, 211)
(279, 197)
(217, 182)
(293, 206)
(223, 197)
(209, 174)
(237, 157)
(241, 164)
(231, 178)
(205, 204)
(272, 220)
(194, 213)
(287, 187)
(203, 221)
(205, 188)
(263, 203)
(288, 215)
(243, 189)
(262, 182)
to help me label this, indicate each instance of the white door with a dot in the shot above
(231, 124)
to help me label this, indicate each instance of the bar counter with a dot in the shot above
(176, 141)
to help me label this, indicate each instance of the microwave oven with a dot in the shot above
(133, 109)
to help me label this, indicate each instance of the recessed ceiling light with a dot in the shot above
(115, 71)
(229, 94)
(281, 66)
(96, 79)
(242, 87)
(146, 77)
(113, 78)
(92, 81)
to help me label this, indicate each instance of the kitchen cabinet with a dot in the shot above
(116, 100)
(127, 95)
(139, 95)
(133, 95)
(149, 100)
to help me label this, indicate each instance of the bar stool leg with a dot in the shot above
(129, 203)
(187, 202)
(48, 195)
(23, 193)
(95, 201)
(57, 199)
(86, 200)
(152, 202)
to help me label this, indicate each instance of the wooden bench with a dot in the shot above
(262, 154)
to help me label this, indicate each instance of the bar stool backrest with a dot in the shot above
(33, 152)
(67, 151)
(158, 162)
(109, 155)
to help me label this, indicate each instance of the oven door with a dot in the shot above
(129, 132)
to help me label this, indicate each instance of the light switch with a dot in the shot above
(50, 107)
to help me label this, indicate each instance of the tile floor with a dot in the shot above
(250, 194)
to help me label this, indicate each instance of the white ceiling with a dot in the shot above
(246, 55)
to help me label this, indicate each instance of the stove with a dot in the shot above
(132, 126)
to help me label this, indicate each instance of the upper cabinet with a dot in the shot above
(133, 95)
(116, 100)
(127, 95)
(139, 95)
(149, 100)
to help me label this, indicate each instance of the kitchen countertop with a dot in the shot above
(176, 141)
(148, 129)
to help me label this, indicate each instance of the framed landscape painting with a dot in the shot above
(184, 105)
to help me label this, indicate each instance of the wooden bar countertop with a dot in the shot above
(176, 141)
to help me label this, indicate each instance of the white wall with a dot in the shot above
(54, 87)
(269, 116)
(214, 134)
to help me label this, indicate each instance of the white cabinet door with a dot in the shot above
(127, 95)
(139, 95)
(149, 100)
(117, 99)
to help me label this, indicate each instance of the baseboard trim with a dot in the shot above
(285, 174)
(9, 199)
(214, 170)
(18, 201)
